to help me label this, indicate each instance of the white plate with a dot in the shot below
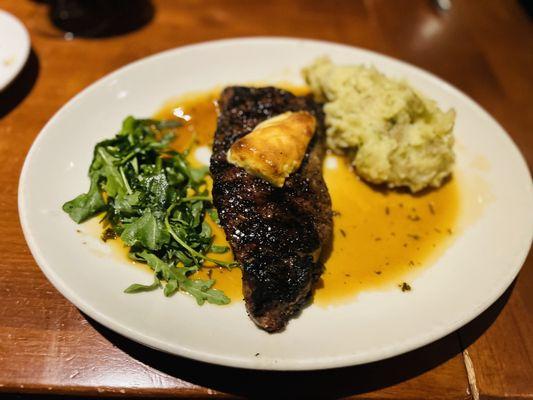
(14, 48)
(471, 275)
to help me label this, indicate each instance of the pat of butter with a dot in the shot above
(276, 147)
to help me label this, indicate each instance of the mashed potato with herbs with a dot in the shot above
(394, 134)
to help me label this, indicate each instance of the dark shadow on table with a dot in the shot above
(332, 383)
(19, 89)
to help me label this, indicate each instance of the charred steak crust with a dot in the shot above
(277, 234)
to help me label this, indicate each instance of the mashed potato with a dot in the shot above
(393, 134)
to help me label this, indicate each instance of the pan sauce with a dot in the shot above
(381, 238)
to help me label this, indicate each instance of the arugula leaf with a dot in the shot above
(165, 270)
(128, 126)
(147, 231)
(157, 191)
(213, 214)
(171, 123)
(86, 205)
(125, 203)
(196, 210)
(171, 287)
(218, 249)
(198, 174)
(206, 231)
(201, 290)
(114, 181)
(137, 287)
(176, 278)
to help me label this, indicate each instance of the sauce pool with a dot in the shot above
(381, 238)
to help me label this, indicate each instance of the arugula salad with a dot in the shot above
(150, 197)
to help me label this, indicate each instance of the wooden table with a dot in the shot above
(48, 346)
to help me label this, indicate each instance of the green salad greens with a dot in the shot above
(156, 202)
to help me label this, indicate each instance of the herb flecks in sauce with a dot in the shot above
(380, 236)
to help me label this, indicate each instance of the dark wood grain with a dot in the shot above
(48, 346)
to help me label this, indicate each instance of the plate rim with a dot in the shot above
(325, 362)
(10, 78)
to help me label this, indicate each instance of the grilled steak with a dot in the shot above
(277, 234)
